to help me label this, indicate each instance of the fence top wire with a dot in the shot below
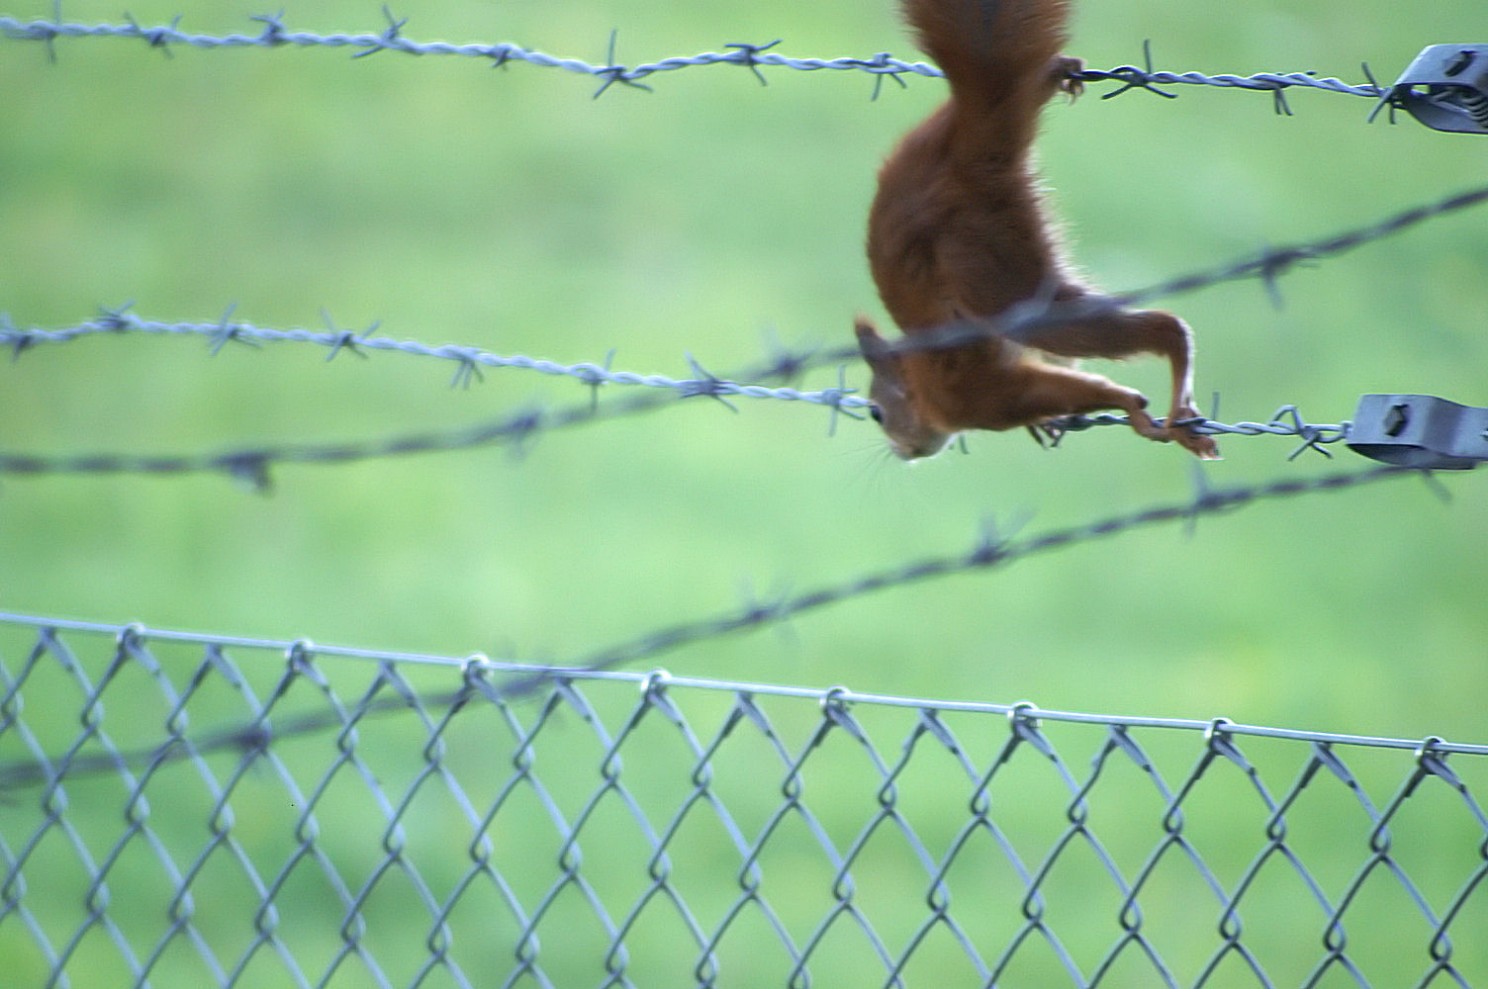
(252, 465)
(301, 650)
(275, 33)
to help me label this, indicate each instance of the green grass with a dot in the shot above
(510, 211)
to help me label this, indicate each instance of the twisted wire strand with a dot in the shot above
(516, 429)
(1287, 421)
(1144, 78)
(470, 360)
(251, 465)
(275, 33)
(991, 550)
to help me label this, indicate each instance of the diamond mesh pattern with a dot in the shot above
(184, 810)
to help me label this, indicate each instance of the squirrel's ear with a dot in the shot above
(876, 349)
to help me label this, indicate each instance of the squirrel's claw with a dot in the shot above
(1201, 445)
(1065, 75)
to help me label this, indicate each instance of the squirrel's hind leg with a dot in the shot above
(1125, 333)
(1046, 391)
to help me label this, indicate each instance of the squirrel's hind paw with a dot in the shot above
(1199, 444)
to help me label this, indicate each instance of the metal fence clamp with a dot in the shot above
(1445, 88)
(1420, 431)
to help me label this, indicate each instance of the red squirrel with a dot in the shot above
(958, 234)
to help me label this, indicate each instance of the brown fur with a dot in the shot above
(958, 233)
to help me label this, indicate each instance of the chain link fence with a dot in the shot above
(191, 810)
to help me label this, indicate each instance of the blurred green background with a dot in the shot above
(507, 210)
(510, 211)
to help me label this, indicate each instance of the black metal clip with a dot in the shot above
(1419, 431)
(1454, 89)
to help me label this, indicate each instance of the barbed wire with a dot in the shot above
(470, 360)
(275, 33)
(252, 464)
(515, 429)
(1286, 422)
(992, 549)
(502, 681)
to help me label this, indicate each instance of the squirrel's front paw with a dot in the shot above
(1064, 72)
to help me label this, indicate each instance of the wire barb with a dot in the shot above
(749, 57)
(613, 72)
(389, 38)
(1130, 77)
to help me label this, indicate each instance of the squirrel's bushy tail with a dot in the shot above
(992, 50)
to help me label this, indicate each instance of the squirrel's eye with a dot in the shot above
(876, 414)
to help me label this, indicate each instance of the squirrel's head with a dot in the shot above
(893, 408)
